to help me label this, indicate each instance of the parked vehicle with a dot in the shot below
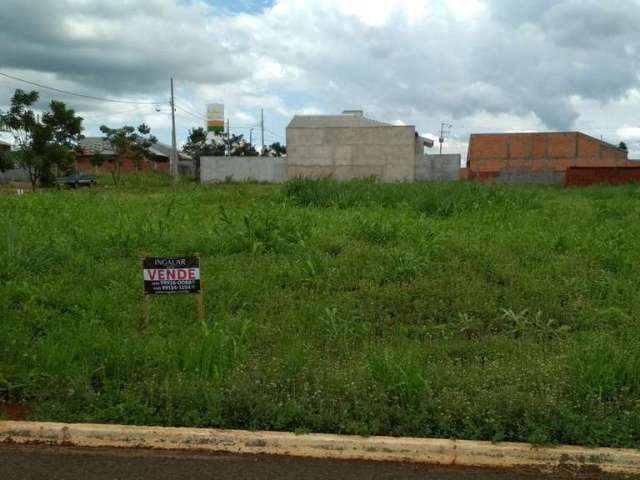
(75, 181)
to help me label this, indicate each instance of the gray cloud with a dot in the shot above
(512, 58)
(590, 23)
(116, 47)
(526, 58)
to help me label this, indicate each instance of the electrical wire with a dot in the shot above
(81, 95)
(189, 111)
(184, 110)
(596, 128)
(102, 114)
(274, 135)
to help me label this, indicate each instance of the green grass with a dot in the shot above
(448, 310)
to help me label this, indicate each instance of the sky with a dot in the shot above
(480, 65)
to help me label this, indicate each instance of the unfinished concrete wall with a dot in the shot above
(243, 169)
(345, 153)
(539, 157)
(438, 168)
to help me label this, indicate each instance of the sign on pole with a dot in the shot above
(170, 276)
(215, 118)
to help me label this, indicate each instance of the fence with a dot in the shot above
(437, 168)
(243, 169)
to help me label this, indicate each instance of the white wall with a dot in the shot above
(243, 169)
(345, 153)
(438, 168)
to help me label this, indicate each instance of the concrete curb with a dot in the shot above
(416, 450)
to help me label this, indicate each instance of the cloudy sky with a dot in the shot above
(480, 65)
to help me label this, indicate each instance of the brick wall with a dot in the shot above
(492, 154)
(84, 166)
(584, 176)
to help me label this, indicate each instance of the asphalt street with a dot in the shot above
(65, 463)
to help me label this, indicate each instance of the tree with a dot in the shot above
(128, 142)
(65, 127)
(6, 161)
(198, 145)
(97, 160)
(45, 143)
(275, 150)
(622, 146)
(239, 147)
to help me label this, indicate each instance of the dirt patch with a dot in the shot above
(14, 411)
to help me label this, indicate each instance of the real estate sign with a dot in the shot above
(170, 276)
(215, 117)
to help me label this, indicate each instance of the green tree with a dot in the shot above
(275, 150)
(97, 160)
(622, 146)
(42, 143)
(239, 147)
(233, 145)
(65, 127)
(198, 145)
(128, 142)
(6, 161)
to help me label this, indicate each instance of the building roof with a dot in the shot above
(343, 121)
(164, 150)
(427, 142)
(92, 145)
(5, 144)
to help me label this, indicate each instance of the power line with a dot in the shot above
(184, 110)
(81, 95)
(108, 113)
(274, 135)
(189, 110)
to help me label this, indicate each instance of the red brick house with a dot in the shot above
(89, 146)
(538, 157)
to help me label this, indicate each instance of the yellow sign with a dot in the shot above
(215, 117)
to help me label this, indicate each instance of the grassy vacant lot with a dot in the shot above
(495, 313)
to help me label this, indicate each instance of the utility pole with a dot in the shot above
(251, 137)
(173, 159)
(228, 138)
(442, 133)
(262, 129)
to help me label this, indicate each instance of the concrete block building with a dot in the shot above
(350, 146)
(537, 157)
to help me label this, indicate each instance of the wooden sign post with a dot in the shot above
(172, 276)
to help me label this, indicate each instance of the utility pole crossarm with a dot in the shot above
(444, 132)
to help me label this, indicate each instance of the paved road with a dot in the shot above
(65, 463)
